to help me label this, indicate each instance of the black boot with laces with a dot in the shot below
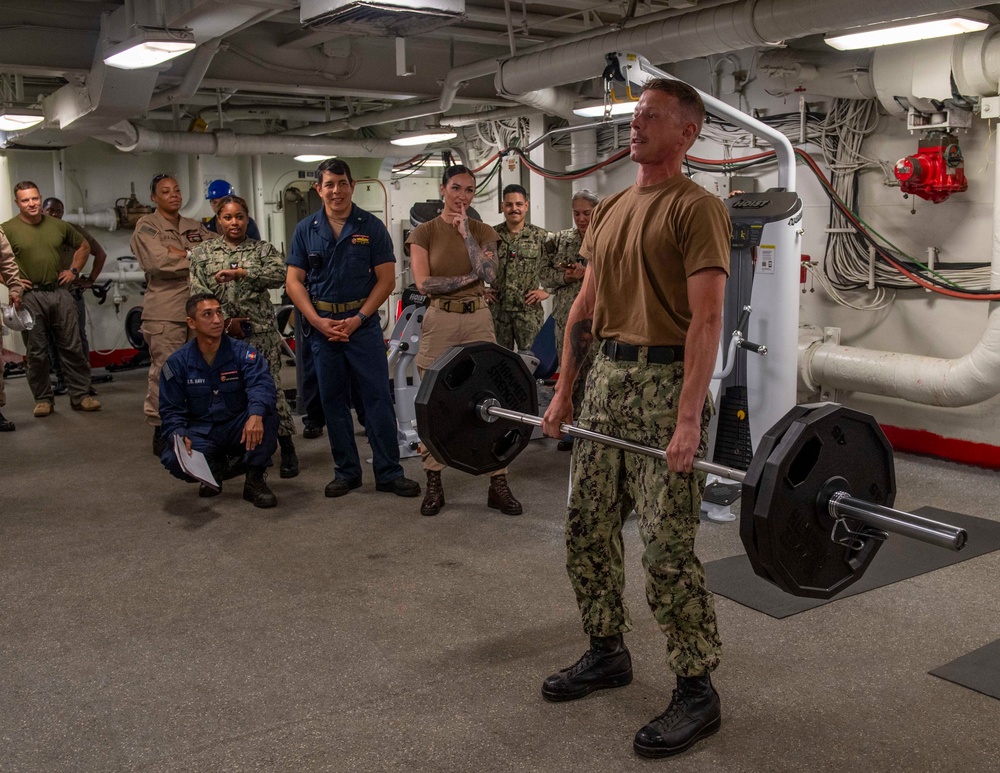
(256, 490)
(695, 712)
(606, 664)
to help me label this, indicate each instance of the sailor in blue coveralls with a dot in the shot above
(344, 255)
(217, 394)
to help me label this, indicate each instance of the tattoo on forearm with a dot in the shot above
(483, 258)
(442, 285)
(580, 338)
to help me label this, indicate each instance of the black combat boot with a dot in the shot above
(695, 712)
(500, 497)
(159, 442)
(6, 425)
(606, 664)
(289, 460)
(434, 495)
(255, 489)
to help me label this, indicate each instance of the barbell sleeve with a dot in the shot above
(944, 535)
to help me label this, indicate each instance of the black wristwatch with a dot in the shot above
(74, 271)
(364, 317)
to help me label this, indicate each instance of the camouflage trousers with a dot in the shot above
(269, 344)
(639, 402)
(517, 327)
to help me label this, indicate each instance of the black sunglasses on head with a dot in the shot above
(156, 181)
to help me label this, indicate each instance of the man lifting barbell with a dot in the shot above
(803, 527)
(653, 295)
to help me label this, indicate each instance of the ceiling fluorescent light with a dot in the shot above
(907, 32)
(306, 158)
(597, 110)
(148, 48)
(423, 137)
(15, 119)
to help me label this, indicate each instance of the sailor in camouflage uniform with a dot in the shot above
(652, 295)
(516, 297)
(239, 271)
(562, 276)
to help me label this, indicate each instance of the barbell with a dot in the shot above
(816, 500)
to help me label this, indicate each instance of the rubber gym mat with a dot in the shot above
(898, 559)
(979, 670)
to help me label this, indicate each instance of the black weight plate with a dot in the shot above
(446, 407)
(751, 486)
(845, 565)
(793, 527)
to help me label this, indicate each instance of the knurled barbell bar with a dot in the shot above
(801, 523)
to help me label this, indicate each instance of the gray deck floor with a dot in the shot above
(146, 629)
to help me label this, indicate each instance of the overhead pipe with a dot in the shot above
(744, 24)
(276, 113)
(130, 138)
(502, 114)
(467, 72)
(946, 383)
(195, 74)
(393, 114)
(549, 100)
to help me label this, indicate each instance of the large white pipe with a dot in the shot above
(257, 182)
(466, 72)
(583, 154)
(501, 114)
(393, 114)
(953, 383)
(135, 139)
(104, 218)
(552, 101)
(192, 78)
(194, 192)
(708, 31)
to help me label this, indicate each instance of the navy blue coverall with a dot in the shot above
(342, 271)
(210, 404)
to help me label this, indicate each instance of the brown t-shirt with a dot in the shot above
(643, 244)
(447, 253)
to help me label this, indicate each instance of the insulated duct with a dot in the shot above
(192, 78)
(716, 30)
(130, 138)
(471, 119)
(953, 383)
(393, 114)
(552, 101)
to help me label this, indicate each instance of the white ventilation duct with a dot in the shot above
(716, 30)
(137, 139)
(552, 101)
(839, 74)
(471, 119)
(391, 115)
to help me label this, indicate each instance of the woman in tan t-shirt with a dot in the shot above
(451, 258)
